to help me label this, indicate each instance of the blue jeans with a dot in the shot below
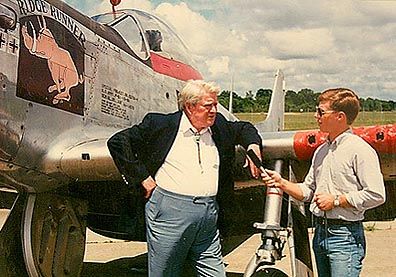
(339, 249)
(182, 230)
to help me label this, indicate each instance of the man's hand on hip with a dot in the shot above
(148, 185)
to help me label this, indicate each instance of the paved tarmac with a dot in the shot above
(110, 257)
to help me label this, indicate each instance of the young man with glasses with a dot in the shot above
(344, 180)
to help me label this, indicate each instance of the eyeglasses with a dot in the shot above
(321, 112)
(209, 107)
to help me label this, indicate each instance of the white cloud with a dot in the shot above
(201, 35)
(295, 44)
(218, 66)
(194, 33)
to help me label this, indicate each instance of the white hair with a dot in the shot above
(194, 90)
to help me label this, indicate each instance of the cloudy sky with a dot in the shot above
(317, 43)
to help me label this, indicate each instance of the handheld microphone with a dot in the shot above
(256, 161)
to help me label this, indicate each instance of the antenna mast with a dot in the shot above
(113, 4)
(231, 94)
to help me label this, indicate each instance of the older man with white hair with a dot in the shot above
(184, 161)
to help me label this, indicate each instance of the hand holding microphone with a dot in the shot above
(270, 178)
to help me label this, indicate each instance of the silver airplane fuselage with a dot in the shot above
(48, 141)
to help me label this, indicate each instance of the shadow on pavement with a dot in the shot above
(131, 267)
(125, 267)
(136, 267)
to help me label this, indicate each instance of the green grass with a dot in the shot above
(306, 121)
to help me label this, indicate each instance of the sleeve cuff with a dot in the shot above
(307, 193)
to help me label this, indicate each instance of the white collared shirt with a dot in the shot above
(348, 166)
(192, 164)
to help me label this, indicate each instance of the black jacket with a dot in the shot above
(139, 151)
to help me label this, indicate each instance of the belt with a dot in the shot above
(333, 221)
(189, 198)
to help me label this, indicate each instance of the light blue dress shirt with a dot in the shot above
(347, 166)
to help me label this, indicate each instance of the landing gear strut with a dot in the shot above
(274, 238)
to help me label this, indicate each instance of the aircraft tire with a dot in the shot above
(269, 272)
(11, 257)
(54, 235)
(44, 235)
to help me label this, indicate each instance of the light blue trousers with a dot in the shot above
(339, 250)
(182, 230)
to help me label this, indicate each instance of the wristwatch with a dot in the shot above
(337, 201)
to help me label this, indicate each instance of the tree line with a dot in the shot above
(304, 100)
